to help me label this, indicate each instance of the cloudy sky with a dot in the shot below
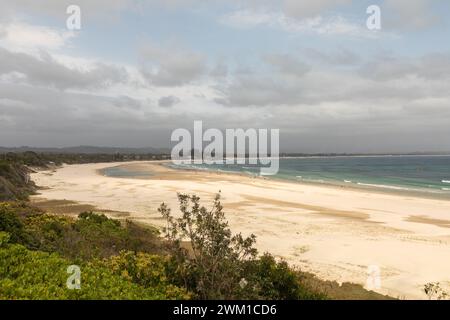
(137, 70)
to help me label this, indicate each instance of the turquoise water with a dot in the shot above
(429, 174)
(124, 172)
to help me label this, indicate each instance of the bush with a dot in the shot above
(97, 219)
(269, 279)
(4, 239)
(26, 274)
(90, 236)
(11, 223)
(149, 271)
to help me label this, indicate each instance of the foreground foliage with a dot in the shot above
(26, 274)
(120, 260)
(90, 236)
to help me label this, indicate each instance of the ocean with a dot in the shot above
(416, 174)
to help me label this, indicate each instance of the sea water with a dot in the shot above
(429, 174)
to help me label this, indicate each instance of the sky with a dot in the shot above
(137, 70)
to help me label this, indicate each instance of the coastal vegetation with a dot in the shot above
(195, 257)
(120, 260)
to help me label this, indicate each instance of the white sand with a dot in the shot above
(336, 233)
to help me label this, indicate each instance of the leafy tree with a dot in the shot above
(212, 264)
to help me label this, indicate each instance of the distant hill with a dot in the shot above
(88, 150)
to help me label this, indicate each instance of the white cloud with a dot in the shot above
(302, 9)
(21, 36)
(336, 25)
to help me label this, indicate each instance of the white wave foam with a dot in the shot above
(383, 186)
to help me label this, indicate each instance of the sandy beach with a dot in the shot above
(335, 233)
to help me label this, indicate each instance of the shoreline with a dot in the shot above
(335, 233)
(388, 190)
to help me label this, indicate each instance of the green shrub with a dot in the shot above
(4, 239)
(88, 237)
(269, 279)
(11, 223)
(98, 219)
(26, 274)
(149, 271)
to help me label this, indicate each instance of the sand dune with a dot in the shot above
(336, 233)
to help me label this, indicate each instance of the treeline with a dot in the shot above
(34, 159)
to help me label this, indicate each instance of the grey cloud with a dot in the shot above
(3, 32)
(48, 72)
(169, 101)
(283, 86)
(433, 66)
(340, 57)
(260, 91)
(219, 71)
(287, 64)
(381, 81)
(170, 66)
(387, 68)
(57, 9)
(43, 116)
(126, 102)
(409, 14)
